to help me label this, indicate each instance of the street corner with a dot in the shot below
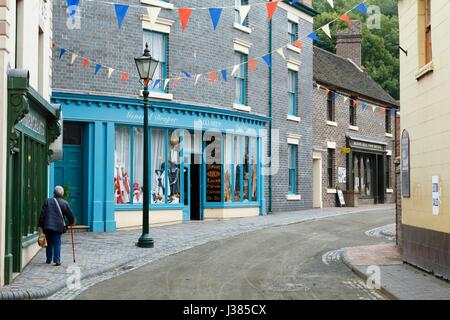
(384, 254)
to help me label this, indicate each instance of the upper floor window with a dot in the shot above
(157, 44)
(352, 111)
(240, 79)
(330, 106)
(388, 122)
(330, 168)
(292, 92)
(237, 16)
(292, 30)
(292, 163)
(428, 47)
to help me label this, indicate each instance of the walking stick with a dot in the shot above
(73, 244)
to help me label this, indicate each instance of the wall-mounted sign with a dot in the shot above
(346, 150)
(405, 165)
(366, 145)
(436, 195)
(342, 175)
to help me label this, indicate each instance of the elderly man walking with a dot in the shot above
(52, 223)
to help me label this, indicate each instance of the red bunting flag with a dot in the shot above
(175, 81)
(85, 63)
(53, 45)
(346, 19)
(355, 103)
(251, 64)
(212, 76)
(382, 110)
(298, 44)
(271, 7)
(124, 76)
(185, 14)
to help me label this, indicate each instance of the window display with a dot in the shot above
(237, 168)
(174, 168)
(253, 162)
(122, 188)
(158, 171)
(228, 167)
(138, 174)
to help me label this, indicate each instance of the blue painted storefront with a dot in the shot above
(100, 115)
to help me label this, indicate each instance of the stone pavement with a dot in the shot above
(398, 280)
(114, 253)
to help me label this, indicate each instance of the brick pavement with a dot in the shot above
(112, 253)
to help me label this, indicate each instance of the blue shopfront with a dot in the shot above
(205, 162)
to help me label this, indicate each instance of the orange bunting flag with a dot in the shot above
(212, 76)
(382, 110)
(251, 64)
(271, 7)
(298, 44)
(346, 19)
(185, 14)
(175, 81)
(355, 103)
(85, 63)
(124, 76)
(53, 45)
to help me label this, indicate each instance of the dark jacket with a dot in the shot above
(51, 219)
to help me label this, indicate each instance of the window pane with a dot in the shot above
(213, 154)
(228, 162)
(246, 168)
(174, 168)
(138, 174)
(156, 46)
(122, 166)
(158, 165)
(253, 163)
(237, 168)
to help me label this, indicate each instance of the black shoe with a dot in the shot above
(57, 264)
(48, 262)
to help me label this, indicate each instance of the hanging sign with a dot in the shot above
(346, 150)
(406, 191)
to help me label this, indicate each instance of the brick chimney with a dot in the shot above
(349, 43)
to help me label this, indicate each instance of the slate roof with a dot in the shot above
(339, 72)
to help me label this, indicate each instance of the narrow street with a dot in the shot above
(289, 262)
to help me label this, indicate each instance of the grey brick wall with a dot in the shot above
(197, 50)
(370, 124)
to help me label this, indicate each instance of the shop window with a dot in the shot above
(122, 190)
(173, 165)
(253, 169)
(237, 168)
(138, 167)
(237, 17)
(158, 166)
(292, 165)
(330, 106)
(330, 168)
(240, 79)
(213, 152)
(246, 169)
(228, 163)
(292, 92)
(157, 44)
(292, 31)
(352, 112)
(72, 133)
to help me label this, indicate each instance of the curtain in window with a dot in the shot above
(138, 173)
(174, 168)
(156, 46)
(122, 166)
(158, 171)
(253, 162)
(228, 167)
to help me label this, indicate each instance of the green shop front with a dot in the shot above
(33, 124)
(205, 162)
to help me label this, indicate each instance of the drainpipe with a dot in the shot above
(270, 116)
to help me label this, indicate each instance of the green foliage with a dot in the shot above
(380, 46)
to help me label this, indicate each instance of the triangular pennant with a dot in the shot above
(281, 53)
(362, 8)
(271, 7)
(61, 52)
(175, 81)
(243, 12)
(166, 82)
(110, 72)
(235, 69)
(295, 1)
(313, 36)
(215, 14)
(298, 44)
(98, 66)
(156, 83)
(85, 63)
(346, 19)
(251, 63)
(373, 108)
(345, 99)
(331, 2)
(224, 74)
(212, 77)
(74, 57)
(267, 60)
(382, 110)
(364, 106)
(121, 11)
(196, 79)
(393, 111)
(53, 45)
(187, 74)
(355, 103)
(124, 76)
(184, 14)
(73, 6)
(326, 30)
(319, 87)
(153, 13)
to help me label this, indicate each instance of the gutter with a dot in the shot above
(270, 116)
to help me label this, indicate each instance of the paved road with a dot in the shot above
(288, 262)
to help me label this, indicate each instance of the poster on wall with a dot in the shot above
(342, 175)
(406, 192)
(214, 183)
(436, 197)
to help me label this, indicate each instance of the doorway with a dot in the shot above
(380, 179)
(317, 182)
(195, 187)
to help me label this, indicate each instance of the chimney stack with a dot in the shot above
(349, 43)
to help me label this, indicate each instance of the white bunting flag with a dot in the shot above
(331, 2)
(110, 72)
(235, 69)
(326, 29)
(281, 53)
(345, 99)
(153, 13)
(319, 87)
(74, 56)
(166, 82)
(373, 108)
(196, 79)
(243, 12)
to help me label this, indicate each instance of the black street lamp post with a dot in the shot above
(146, 66)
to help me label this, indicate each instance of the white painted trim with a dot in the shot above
(425, 70)
(293, 48)
(291, 117)
(161, 95)
(293, 197)
(241, 107)
(158, 3)
(389, 153)
(331, 145)
(354, 128)
(161, 25)
(293, 64)
(229, 213)
(288, 8)
(241, 46)
(317, 155)
(388, 135)
(389, 190)
(293, 138)
(331, 191)
(242, 28)
(332, 123)
(292, 17)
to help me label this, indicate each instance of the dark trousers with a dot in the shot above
(53, 249)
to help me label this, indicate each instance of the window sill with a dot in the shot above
(354, 128)
(332, 123)
(161, 95)
(426, 69)
(293, 118)
(242, 28)
(241, 107)
(388, 135)
(389, 190)
(293, 48)
(331, 191)
(158, 3)
(293, 197)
